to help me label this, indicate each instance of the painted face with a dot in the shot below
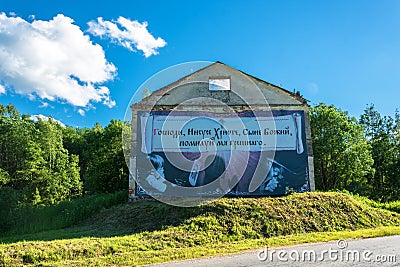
(276, 172)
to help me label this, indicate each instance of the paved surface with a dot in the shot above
(381, 251)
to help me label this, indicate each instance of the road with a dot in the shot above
(380, 251)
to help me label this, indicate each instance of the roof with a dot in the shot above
(245, 90)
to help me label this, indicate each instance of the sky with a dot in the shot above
(81, 62)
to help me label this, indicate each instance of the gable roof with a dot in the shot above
(195, 85)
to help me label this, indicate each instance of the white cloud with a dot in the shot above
(81, 112)
(31, 97)
(133, 35)
(45, 105)
(2, 89)
(53, 60)
(42, 117)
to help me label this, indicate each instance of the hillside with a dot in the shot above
(149, 231)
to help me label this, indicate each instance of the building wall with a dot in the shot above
(222, 109)
(247, 94)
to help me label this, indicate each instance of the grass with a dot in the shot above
(27, 219)
(148, 231)
(392, 206)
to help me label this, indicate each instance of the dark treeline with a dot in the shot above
(44, 163)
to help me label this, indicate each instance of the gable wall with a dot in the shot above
(192, 94)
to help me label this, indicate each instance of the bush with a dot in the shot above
(30, 219)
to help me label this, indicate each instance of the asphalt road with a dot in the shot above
(381, 251)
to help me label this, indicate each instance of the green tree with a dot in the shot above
(342, 154)
(12, 111)
(8, 205)
(101, 157)
(4, 178)
(382, 133)
(32, 157)
(106, 170)
(146, 92)
(58, 177)
(16, 138)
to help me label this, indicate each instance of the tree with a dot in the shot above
(58, 177)
(107, 170)
(4, 178)
(342, 154)
(101, 158)
(382, 133)
(146, 92)
(16, 139)
(34, 163)
(8, 205)
(43, 163)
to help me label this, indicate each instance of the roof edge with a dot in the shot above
(296, 95)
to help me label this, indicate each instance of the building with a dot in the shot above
(221, 127)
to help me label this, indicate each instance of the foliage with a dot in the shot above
(43, 166)
(8, 205)
(32, 157)
(383, 135)
(146, 92)
(342, 154)
(45, 163)
(32, 219)
(101, 157)
(392, 206)
(106, 170)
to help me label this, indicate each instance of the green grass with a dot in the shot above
(392, 206)
(148, 231)
(27, 219)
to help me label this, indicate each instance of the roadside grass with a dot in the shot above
(149, 232)
(121, 251)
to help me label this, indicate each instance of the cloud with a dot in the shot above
(133, 35)
(45, 105)
(2, 89)
(53, 60)
(81, 112)
(31, 97)
(42, 117)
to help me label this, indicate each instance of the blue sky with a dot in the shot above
(345, 53)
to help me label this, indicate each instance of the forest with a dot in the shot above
(44, 163)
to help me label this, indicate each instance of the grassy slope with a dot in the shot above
(146, 232)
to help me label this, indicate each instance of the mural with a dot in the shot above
(239, 154)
